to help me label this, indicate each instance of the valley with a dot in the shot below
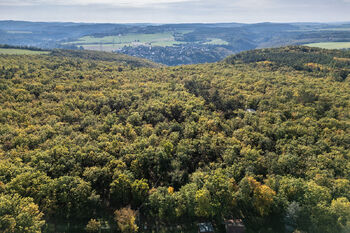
(166, 43)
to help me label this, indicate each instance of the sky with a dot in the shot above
(176, 11)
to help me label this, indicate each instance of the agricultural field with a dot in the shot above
(216, 41)
(19, 32)
(111, 43)
(104, 47)
(330, 45)
(21, 52)
(336, 29)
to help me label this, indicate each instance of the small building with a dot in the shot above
(250, 110)
(206, 227)
(234, 226)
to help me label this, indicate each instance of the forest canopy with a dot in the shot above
(96, 144)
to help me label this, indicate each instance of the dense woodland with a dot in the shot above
(91, 145)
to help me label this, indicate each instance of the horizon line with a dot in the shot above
(165, 23)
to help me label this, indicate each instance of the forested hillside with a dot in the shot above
(91, 145)
(319, 62)
(104, 56)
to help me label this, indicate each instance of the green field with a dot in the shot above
(110, 43)
(330, 45)
(143, 38)
(104, 47)
(335, 29)
(113, 47)
(19, 32)
(216, 41)
(21, 52)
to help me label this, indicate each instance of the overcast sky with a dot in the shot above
(176, 11)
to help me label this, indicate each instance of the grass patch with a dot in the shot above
(143, 38)
(335, 29)
(19, 32)
(330, 45)
(216, 41)
(103, 47)
(110, 43)
(22, 52)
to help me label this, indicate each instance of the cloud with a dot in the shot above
(165, 11)
(214, 4)
(135, 3)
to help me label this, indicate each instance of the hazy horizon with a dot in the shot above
(176, 11)
(165, 23)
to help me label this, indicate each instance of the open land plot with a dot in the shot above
(21, 52)
(112, 43)
(330, 45)
(19, 32)
(143, 38)
(216, 41)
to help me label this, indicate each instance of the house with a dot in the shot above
(234, 226)
(206, 227)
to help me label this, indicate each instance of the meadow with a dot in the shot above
(110, 43)
(330, 45)
(21, 52)
(216, 41)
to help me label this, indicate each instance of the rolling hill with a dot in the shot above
(173, 44)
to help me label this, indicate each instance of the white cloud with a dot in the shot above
(225, 4)
(87, 2)
(160, 11)
(252, 3)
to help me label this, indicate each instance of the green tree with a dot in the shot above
(93, 226)
(120, 190)
(139, 191)
(69, 197)
(18, 214)
(341, 209)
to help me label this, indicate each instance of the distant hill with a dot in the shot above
(171, 44)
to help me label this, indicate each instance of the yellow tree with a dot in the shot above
(126, 220)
